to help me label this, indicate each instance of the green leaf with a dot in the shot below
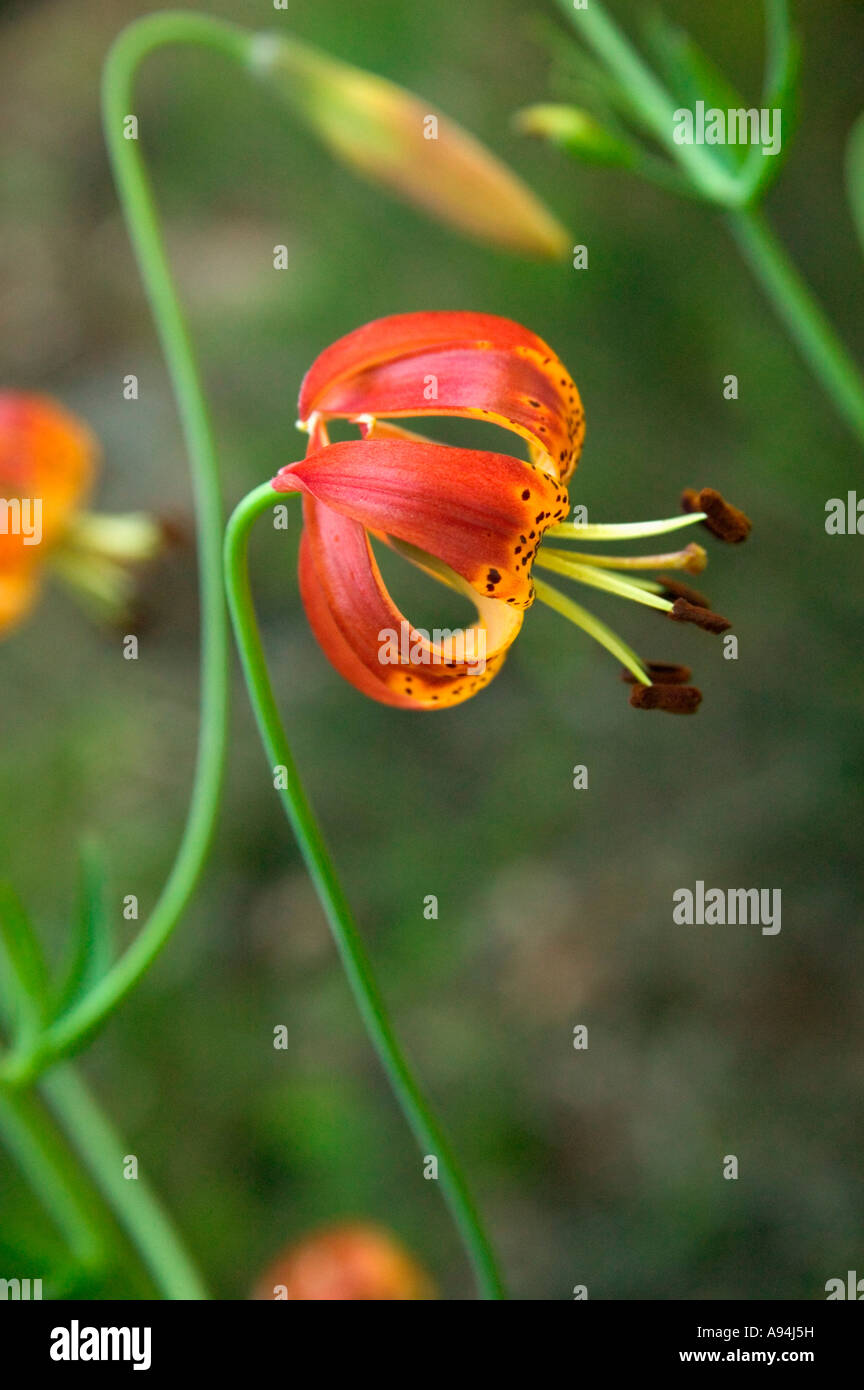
(25, 980)
(692, 76)
(855, 176)
(92, 944)
(782, 54)
(782, 58)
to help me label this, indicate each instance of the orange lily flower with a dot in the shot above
(351, 1262)
(472, 519)
(48, 463)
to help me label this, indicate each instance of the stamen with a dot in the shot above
(692, 558)
(622, 531)
(575, 613)
(587, 574)
(675, 589)
(674, 699)
(720, 517)
(684, 612)
(663, 673)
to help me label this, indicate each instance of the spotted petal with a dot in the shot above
(482, 514)
(369, 641)
(463, 364)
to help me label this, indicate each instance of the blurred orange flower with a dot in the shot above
(48, 463)
(352, 1262)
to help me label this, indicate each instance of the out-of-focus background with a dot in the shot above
(602, 1167)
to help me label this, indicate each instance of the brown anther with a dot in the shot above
(684, 612)
(673, 588)
(662, 673)
(674, 699)
(176, 531)
(690, 500)
(722, 519)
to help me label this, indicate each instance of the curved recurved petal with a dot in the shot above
(482, 514)
(369, 641)
(464, 364)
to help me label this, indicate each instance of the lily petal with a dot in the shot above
(18, 590)
(349, 609)
(473, 365)
(45, 454)
(483, 514)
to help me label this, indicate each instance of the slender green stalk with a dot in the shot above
(651, 98)
(804, 318)
(320, 866)
(69, 1032)
(133, 1201)
(806, 322)
(31, 1137)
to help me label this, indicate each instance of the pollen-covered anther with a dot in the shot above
(690, 500)
(661, 673)
(684, 612)
(723, 520)
(673, 699)
(673, 588)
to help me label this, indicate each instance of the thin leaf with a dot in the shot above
(782, 52)
(779, 89)
(92, 944)
(25, 978)
(693, 76)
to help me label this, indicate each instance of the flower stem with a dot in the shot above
(133, 1201)
(804, 318)
(69, 1032)
(348, 940)
(31, 1136)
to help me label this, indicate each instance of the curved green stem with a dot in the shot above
(133, 1201)
(320, 866)
(808, 325)
(72, 1029)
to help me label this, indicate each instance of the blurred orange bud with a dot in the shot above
(352, 1262)
(395, 139)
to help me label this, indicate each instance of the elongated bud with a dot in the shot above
(393, 138)
(574, 131)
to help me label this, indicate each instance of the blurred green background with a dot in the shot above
(601, 1167)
